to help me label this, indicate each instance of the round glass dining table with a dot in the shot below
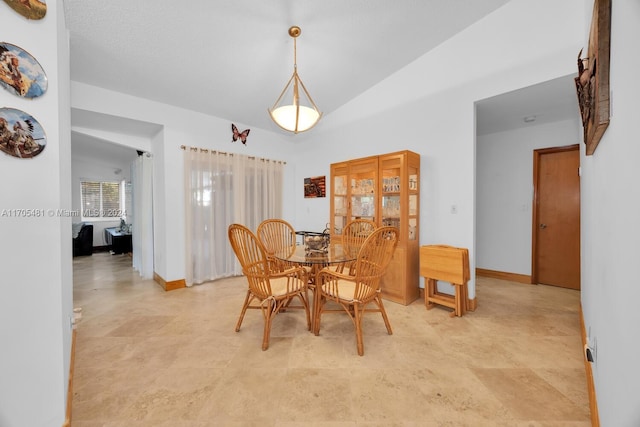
(315, 260)
(335, 254)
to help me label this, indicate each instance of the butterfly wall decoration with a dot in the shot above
(242, 136)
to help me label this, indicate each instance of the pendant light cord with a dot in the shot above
(295, 54)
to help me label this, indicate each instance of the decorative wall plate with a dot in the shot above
(20, 134)
(20, 73)
(30, 9)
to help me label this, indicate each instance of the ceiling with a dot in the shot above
(538, 104)
(99, 152)
(231, 59)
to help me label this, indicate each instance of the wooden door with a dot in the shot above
(556, 217)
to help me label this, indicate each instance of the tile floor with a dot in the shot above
(146, 357)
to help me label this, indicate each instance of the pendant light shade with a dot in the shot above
(294, 110)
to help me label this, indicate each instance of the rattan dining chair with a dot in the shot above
(269, 290)
(354, 293)
(277, 236)
(354, 233)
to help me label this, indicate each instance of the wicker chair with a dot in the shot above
(353, 236)
(354, 293)
(271, 290)
(277, 236)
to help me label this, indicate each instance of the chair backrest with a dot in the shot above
(252, 257)
(356, 232)
(373, 259)
(276, 235)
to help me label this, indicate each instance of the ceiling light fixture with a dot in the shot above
(302, 114)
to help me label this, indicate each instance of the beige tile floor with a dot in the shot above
(146, 357)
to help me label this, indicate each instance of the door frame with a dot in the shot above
(534, 221)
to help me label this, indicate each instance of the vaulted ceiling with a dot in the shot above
(231, 59)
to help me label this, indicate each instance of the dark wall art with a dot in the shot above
(315, 187)
(592, 83)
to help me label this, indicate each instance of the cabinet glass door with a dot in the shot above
(363, 190)
(362, 199)
(391, 191)
(340, 206)
(414, 208)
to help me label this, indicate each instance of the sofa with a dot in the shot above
(82, 239)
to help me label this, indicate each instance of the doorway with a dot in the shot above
(556, 217)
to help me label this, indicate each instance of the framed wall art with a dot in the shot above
(315, 187)
(592, 83)
(20, 73)
(30, 9)
(21, 135)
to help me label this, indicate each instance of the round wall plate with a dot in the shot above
(30, 9)
(20, 73)
(21, 135)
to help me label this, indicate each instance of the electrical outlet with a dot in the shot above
(589, 355)
(590, 350)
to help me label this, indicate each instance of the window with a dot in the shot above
(102, 200)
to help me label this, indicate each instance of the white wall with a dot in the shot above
(610, 205)
(504, 192)
(428, 107)
(36, 303)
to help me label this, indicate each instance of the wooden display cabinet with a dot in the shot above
(384, 189)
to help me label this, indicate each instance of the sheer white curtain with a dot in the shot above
(142, 233)
(221, 189)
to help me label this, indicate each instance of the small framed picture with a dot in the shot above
(314, 187)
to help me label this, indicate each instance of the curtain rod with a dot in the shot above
(206, 150)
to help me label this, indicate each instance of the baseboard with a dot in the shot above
(67, 420)
(472, 304)
(169, 286)
(513, 277)
(591, 389)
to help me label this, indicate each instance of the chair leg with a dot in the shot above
(384, 314)
(305, 304)
(357, 317)
(269, 312)
(317, 310)
(244, 310)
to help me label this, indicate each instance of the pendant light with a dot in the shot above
(294, 110)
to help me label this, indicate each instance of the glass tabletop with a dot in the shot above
(335, 254)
